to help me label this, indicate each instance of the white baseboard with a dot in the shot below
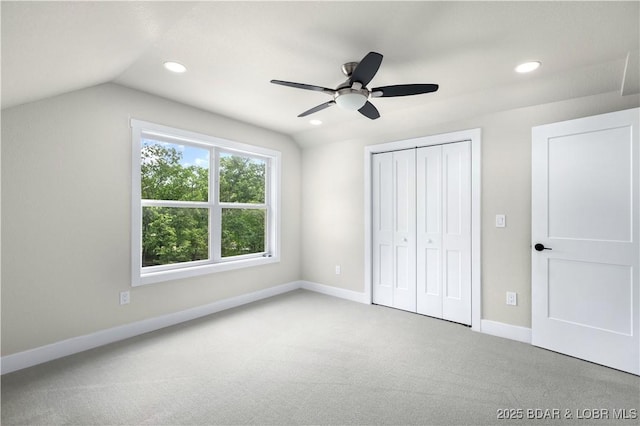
(508, 331)
(74, 345)
(334, 291)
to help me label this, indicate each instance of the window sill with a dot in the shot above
(194, 271)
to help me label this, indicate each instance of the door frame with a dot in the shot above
(474, 137)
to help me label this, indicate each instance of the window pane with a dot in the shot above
(242, 231)
(173, 235)
(174, 172)
(242, 179)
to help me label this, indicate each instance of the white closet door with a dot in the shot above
(456, 232)
(394, 233)
(444, 231)
(382, 218)
(429, 230)
(404, 238)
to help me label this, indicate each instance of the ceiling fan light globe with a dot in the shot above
(351, 101)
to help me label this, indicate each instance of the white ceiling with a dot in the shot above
(233, 49)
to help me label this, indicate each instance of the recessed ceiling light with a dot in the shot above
(528, 66)
(315, 122)
(175, 67)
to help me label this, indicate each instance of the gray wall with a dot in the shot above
(66, 196)
(333, 200)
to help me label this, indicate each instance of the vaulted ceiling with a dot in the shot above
(233, 49)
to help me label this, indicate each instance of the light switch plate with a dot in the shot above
(501, 221)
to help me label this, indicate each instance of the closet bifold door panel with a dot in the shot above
(429, 231)
(394, 229)
(456, 232)
(444, 231)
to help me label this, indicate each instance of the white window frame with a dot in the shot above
(152, 274)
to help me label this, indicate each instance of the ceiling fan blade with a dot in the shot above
(403, 90)
(317, 108)
(304, 86)
(366, 69)
(369, 111)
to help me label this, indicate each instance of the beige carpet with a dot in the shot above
(306, 358)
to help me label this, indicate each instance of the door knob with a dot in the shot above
(541, 247)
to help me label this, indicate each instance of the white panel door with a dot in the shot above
(456, 232)
(429, 230)
(382, 235)
(404, 236)
(585, 251)
(394, 240)
(444, 231)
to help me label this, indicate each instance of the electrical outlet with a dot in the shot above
(125, 298)
(338, 270)
(512, 298)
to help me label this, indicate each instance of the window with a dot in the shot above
(200, 204)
